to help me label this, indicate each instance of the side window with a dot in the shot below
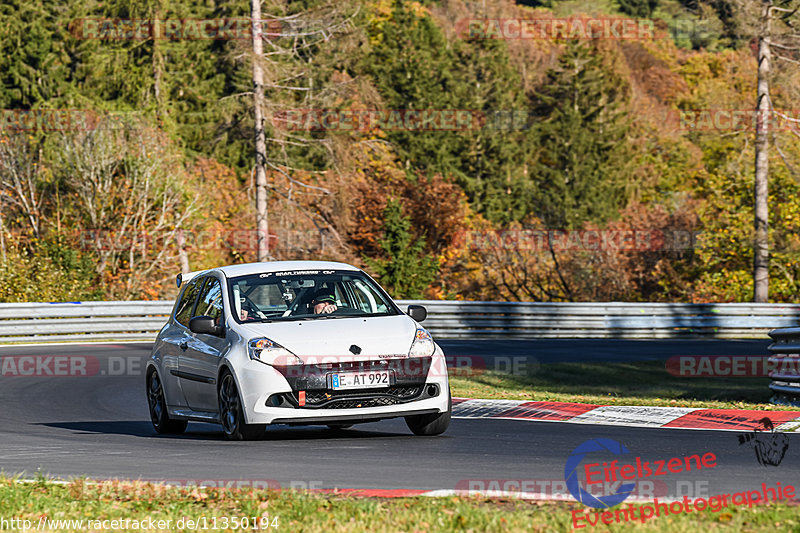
(184, 311)
(210, 302)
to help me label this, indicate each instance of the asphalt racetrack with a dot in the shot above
(98, 426)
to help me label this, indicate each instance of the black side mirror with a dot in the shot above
(417, 312)
(206, 324)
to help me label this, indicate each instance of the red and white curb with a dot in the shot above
(445, 493)
(473, 493)
(626, 415)
(354, 493)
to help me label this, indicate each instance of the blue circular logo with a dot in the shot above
(571, 476)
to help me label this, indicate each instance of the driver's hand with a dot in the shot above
(243, 315)
(324, 307)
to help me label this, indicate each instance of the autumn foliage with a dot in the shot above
(606, 150)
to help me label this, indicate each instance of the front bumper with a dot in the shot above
(301, 394)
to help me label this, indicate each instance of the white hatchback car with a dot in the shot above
(293, 342)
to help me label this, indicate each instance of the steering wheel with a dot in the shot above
(291, 310)
(346, 311)
(300, 306)
(252, 309)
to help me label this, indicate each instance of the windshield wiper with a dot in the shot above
(322, 316)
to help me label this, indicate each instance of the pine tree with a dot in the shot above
(405, 270)
(32, 60)
(578, 175)
(493, 160)
(638, 8)
(413, 66)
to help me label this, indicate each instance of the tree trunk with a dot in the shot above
(262, 225)
(183, 257)
(761, 244)
(3, 240)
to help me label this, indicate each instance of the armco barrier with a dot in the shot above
(785, 360)
(448, 319)
(37, 322)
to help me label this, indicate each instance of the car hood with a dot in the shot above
(386, 336)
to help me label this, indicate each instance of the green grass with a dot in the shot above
(302, 511)
(633, 383)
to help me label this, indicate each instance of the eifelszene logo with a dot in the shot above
(616, 471)
(571, 474)
(770, 447)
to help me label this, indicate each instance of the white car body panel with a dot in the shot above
(327, 337)
(315, 341)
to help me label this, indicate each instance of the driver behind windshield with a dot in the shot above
(323, 302)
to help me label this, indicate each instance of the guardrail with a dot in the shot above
(141, 320)
(37, 322)
(785, 360)
(449, 319)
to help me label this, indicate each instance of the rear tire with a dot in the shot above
(432, 424)
(159, 416)
(231, 412)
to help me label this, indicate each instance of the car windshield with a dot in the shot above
(307, 295)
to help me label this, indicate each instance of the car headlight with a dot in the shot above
(422, 345)
(270, 352)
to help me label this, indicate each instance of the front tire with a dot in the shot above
(432, 424)
(231, 412)
(159, 416)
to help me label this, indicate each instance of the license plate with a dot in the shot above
(360, 380)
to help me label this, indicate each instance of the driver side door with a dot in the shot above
(200, 361)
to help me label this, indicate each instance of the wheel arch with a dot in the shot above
(226, 367)
(148, 369)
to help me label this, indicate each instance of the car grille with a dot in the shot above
(355, 404)
(408, 384)
(401, 392)
(353, 399)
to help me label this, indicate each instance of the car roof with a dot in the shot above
(233, 271)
